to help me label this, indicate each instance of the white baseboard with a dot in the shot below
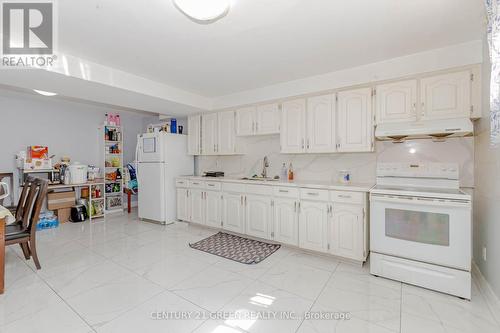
(488, 293)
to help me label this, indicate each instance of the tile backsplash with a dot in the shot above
(325, 167)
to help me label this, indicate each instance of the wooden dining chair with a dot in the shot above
(23, 232)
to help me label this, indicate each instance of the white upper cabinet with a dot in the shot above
(320, 124)
(355, 121)
(268, 119)
(245, 121)
(346, 231)
(293, 117)
(446, 96)
(194, 139)
(209, 131)
(226, 133)
(258, 216)
(313, 223)
(396, 101)
(260, 120)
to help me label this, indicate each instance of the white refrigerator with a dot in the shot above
(161, 157)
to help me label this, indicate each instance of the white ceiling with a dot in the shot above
(260, 42)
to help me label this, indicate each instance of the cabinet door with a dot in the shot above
(313, 219)
(292, 134)
(397, 101)
(245, 121)
(213, 209)
(182, 204)
(267, 119)
(209, 134)
(286, 227)
(258, 216)
(446, 96)
(226, 138)
(346, 231)
(355, 121)
(232, 212)
(197, 206)
(320, 124)
(194, 129)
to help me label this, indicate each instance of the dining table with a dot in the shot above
(5, 216)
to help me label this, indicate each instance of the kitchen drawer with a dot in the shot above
(259, 189)
(286, 192)
(233, 187)
(196, 184)
(214, 186)
(347, 197)
(181, 183)
(314, 194)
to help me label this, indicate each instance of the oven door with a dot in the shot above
(424, 229)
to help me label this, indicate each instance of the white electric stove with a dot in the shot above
(420, 227)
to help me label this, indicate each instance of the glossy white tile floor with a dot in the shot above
(115, 276)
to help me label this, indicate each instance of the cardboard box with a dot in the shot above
(63, 214)
(58, 200)
(40, 152)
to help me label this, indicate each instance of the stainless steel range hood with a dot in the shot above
(428, 129)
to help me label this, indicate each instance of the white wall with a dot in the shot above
(487, 192)
(428, 61)
(325, 167)
(67, 128)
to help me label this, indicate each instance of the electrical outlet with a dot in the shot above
(484, 253)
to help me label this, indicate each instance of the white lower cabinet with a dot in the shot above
(197, 204)
(233, 218)
(346, 231)
(331, 222)
(286, 223)
(313, 223)
(258, 215)
(213, 209)
(183, 204)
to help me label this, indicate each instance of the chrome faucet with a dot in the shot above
(265, 166)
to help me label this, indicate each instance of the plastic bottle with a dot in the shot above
(284, 173)
(290, 172)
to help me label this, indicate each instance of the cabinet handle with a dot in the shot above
(295, 207)
(245, 200)
(303, 145)
(283, 191)
(299, 207)
(187, 193)
(345, 196)
(307, 143)
(312, 193)
(423, 108)
(212, 185)
(414, 108)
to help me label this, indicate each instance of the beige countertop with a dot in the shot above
(358, 187)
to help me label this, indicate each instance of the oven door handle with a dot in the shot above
(420, 201)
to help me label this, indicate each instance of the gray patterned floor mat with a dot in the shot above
(240, 249)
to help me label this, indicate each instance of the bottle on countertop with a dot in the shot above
(290, 172)
(284, 173)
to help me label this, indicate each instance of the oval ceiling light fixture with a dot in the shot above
(203, 11)
(45, 93)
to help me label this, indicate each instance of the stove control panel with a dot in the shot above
(419, 170)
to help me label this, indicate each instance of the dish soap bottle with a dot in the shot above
(284, 173)
(290, 172)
